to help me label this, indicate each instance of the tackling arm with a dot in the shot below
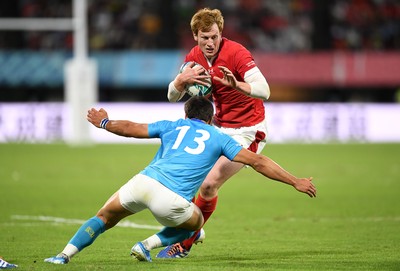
(272, 170)
(119, 127)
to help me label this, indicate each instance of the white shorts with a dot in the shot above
(142, 192)
(245, 136)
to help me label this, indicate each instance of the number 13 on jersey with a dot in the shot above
(205, 135)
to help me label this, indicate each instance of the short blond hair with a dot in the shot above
(205, 18)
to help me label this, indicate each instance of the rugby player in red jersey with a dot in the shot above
(239, 90)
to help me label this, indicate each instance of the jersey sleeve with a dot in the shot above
(244, 61)
(230, 147)
(155, 129)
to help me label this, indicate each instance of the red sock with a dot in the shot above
(207, 207)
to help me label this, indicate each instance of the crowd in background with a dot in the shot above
(266, 25)
(363, 24)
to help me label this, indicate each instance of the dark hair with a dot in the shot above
(200, 108)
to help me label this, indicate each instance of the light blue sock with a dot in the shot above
(87, 233)
(169, 236)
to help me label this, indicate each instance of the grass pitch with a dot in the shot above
(259, 224)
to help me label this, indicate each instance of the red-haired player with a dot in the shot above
(239, 90)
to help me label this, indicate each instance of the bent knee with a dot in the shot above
(195, 222)
(199, 223)
(109, 219)
(196, 226)
(209, 190)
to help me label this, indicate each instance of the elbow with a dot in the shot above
(260, 90)
(267, 91)
(260, 164)
(171, 98)
(253, 161)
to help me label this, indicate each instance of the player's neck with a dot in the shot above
(194, 119)
(209, 60)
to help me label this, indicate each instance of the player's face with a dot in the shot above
(209, 42)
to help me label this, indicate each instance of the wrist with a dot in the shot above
(103, 123)
(179, 84)
(243, 87)
(174, 94)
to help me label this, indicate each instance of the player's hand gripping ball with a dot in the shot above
(197, 89)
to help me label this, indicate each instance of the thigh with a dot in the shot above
(220, 173)
(132, 194)
(169, 208)
(224, 168)
(112, 211)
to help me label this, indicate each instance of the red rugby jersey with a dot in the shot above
(233, 109)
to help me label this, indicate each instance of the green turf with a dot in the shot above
(353, 224)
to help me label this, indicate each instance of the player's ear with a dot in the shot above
(195, 36)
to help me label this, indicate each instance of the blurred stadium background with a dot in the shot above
(334, 71)
(333, 66)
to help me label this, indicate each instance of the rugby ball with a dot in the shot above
(197, 89)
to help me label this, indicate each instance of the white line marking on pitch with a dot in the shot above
(125, 224)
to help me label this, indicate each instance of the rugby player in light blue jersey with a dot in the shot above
(189, 149)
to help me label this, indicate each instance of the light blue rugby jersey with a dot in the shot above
(188, 151)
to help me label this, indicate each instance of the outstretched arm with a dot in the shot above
(99, 118)
(272, 170)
